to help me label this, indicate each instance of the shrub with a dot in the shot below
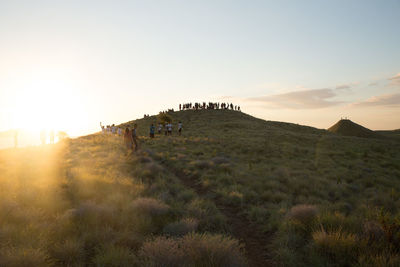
(337, 245)
(210, 219)
(69, 252)
(181, 227)
(305, 214)
(164, 118)
(193, 250)
(115, 256)
(161, 252)
(212, 250)
(150, 206)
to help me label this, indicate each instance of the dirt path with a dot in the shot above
(254, 240)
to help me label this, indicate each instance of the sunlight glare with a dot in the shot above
(49, 105)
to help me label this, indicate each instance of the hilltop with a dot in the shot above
(269, 193)
(348, 128)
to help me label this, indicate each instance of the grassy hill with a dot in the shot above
(233, 190)
(349, 128)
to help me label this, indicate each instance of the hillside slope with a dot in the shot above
(231, 189)
(264, 169)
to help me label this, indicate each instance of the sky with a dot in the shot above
(67, 65)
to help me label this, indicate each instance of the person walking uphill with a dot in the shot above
(152, 130)
(128, 139)
(134, 137)
(180, 128)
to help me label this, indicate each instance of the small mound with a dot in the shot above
(349, 128)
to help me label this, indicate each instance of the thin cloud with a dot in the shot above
(388, 100)
(373, 84)
(346, 86)
(306, 99)
(395, 77)
(395, 80)
(343, 86)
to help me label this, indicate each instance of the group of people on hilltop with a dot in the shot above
(111, 129)
(167, 111)
(209, 105)
(130, 135)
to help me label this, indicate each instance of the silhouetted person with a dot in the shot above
(152, 130)
(128, 139)
(180, 128)
(134, 137)
(169, 126)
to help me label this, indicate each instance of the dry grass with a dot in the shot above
(338, 245)
(193, 250)
(85, 203)
(74, 202)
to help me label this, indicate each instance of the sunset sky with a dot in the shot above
(67, 65)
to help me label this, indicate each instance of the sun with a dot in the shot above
(47, 105)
